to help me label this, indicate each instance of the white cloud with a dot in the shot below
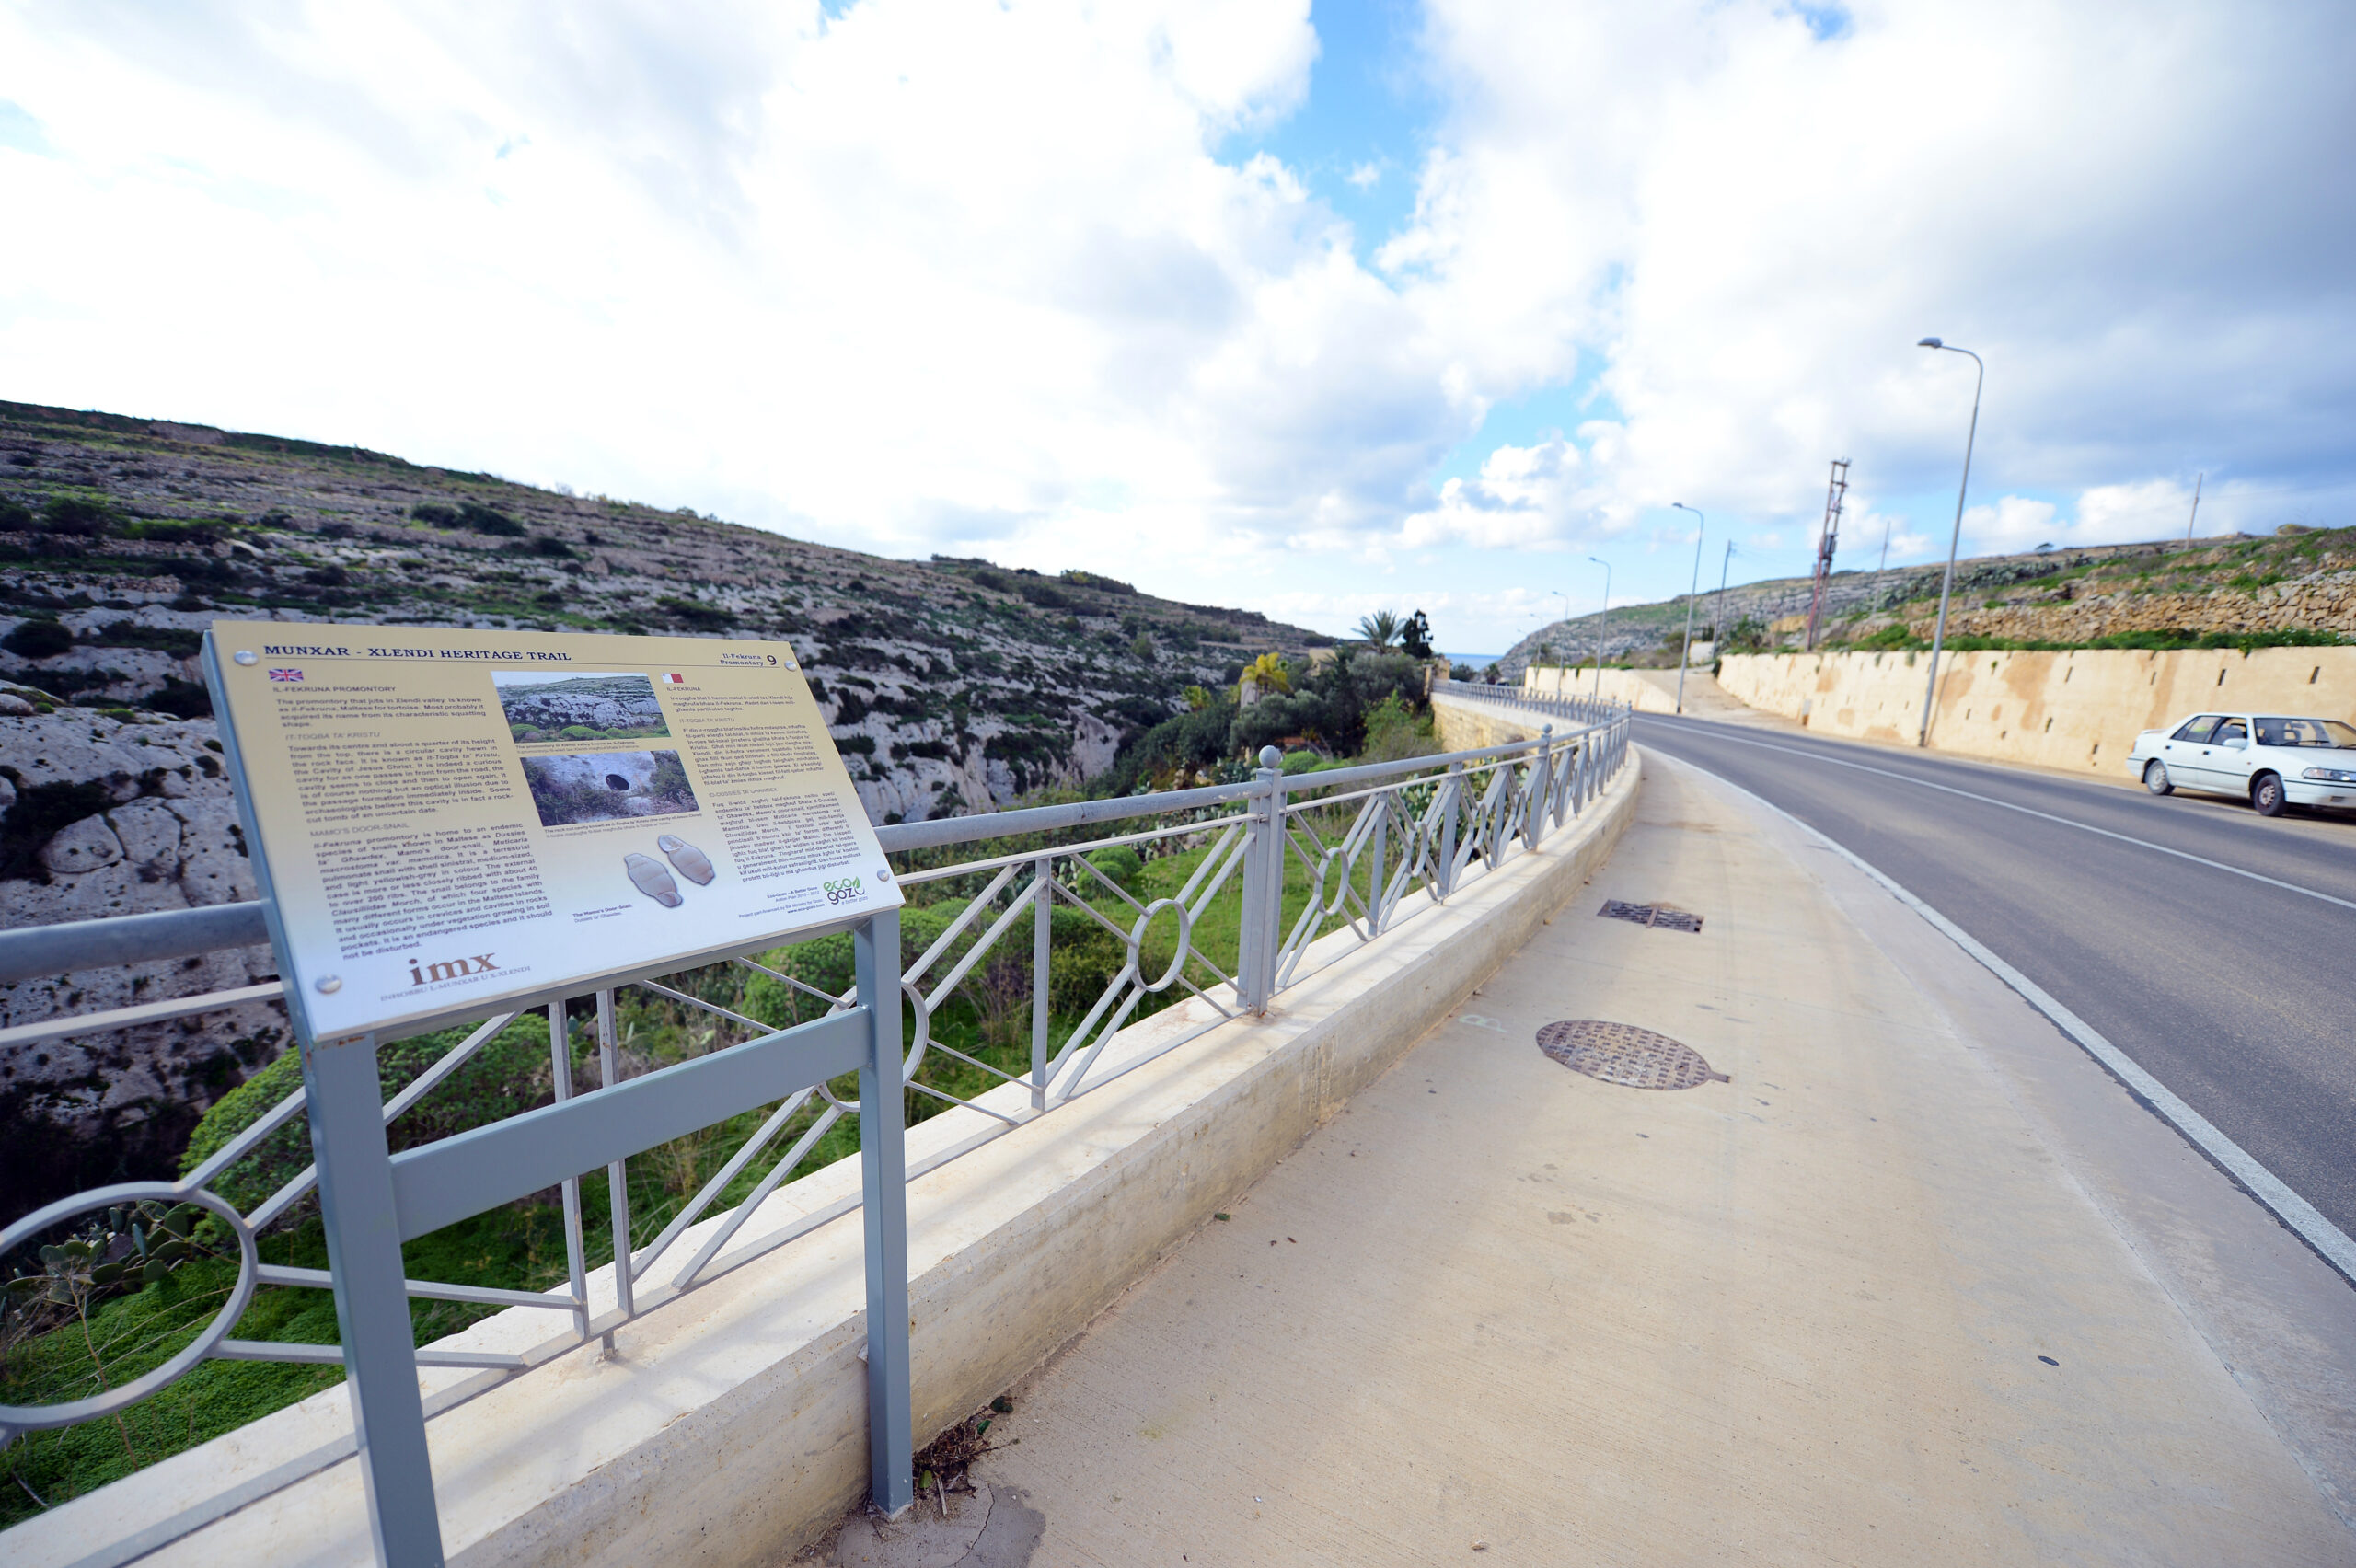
(1752, 227)
(922, 275)
(1523, 497)
(2013, 524)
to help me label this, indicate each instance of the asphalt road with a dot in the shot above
(2237, 995)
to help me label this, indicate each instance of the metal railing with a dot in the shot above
(1578, 709)
(1281, 860)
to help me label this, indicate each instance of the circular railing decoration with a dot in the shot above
(70, 1269)
(1177, 958)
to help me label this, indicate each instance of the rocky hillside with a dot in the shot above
(2294, 581)
(952, 685)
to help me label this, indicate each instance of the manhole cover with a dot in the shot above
(1621, 1052)
(1659, 915)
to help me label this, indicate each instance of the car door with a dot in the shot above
(2230, 757)
(2186, 752)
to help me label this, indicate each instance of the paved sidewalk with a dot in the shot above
(1848, 1308)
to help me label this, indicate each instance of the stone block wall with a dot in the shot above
(2079, 710)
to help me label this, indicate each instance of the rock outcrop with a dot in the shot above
(102, 816)
(2322, 601)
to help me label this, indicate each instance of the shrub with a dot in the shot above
(72, 514)
(433, 512)
(15, 517)
(1191, 740)
(697, 614)
(37, 640)
(1119, 862)
(1043, 596)
(1086, 957)
(488, 520)
(1395, 732)
(181, 699)
(510, 1073)
(180, 642)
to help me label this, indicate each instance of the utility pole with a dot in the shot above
(1718, 627)
(1825, 542)
(2196, 507)
(1685, 654)
(1603, 624)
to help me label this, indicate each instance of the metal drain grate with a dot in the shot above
(1659, 915)
(1621, 1052)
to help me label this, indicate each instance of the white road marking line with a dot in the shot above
(2329, 1240)
(2049, 816)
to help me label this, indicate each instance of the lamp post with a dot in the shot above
(1692, 594)
(1946, 585)
(1602, 622)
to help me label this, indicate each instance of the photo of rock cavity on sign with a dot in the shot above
(653, 878)
(686, 858)
(608, 787)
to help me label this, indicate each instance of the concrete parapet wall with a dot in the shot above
(2078, 710)
(1648, 691)
(730, 1427)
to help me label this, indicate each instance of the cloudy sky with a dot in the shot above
(1314, 311)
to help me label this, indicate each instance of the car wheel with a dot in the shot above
(2267, 795)
(2155, 778)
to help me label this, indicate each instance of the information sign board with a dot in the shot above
(450, 820)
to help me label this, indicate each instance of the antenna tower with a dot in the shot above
(1825, 544)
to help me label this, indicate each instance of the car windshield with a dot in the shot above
(2329, 733)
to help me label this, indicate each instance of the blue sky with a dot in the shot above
(1313, 310)
(1360, 135)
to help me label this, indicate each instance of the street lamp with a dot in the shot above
(1946, 585)
(1602, 620)
(1693, 593)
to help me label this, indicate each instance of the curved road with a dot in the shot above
(2234, 993)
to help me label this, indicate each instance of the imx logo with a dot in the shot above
(455, 969)
(843, 891)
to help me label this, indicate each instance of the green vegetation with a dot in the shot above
(37, 640)
(114, 1335)
(1892, 639)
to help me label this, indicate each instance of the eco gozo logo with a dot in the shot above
(453, 969)
(844, 890)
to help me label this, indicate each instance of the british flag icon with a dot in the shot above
(286, 674)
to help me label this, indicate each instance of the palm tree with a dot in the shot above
(1381, 629)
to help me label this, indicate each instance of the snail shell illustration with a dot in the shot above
(692, 863)
(651, 879)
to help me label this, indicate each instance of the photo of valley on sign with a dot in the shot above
(576, 705)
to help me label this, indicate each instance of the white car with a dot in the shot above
(2274, 763)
